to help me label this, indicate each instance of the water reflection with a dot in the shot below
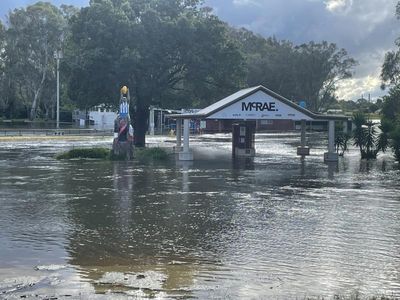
(145, 226)
(332, 169)
(270, 227)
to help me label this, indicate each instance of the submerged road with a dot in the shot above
(272, 227)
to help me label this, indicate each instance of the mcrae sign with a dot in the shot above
(258, 106)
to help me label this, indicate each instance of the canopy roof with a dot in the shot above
(256, 103)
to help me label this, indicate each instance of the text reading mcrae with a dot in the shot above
(258, 106)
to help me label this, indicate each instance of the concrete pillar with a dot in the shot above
(186, 154)
(151, 121)
(303, 150)
(331, 137)
(303, 133)
(186, 135)
(178, 133)
(345, 127)
(161, 123)
(331, 155)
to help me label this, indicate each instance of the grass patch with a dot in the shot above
(98, 153)
(140, 154)
(151, 154)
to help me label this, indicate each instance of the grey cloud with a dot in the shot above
(365, 28)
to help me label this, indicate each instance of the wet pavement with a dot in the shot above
(273, 227)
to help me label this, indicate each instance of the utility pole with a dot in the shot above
(58, 55)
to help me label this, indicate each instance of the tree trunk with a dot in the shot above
(140, 125)
(41, 84)
(32, 114)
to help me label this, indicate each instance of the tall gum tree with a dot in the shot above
(169, 53)
(307, 72)
(33, 34)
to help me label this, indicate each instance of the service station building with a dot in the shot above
(246, 106)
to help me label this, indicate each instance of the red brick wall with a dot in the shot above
(276, 125)
(214, 126)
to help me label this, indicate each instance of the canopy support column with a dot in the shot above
(345, 127)
(303, 150)
(331, 155)
(151, 121)
(178, 133)
(186, 154)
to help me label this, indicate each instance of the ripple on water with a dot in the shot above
(273, 227)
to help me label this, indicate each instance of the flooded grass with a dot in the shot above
(273, 227)
(151, 154)
(94, 153)
(141, 154)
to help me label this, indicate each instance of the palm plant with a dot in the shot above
(341, 141)
(383, 141)
(370, 141)
(359, 134)
(395, 142)
(365, 138)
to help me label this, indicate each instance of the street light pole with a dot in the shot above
(58, 55)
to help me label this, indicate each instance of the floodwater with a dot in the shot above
(273, 227)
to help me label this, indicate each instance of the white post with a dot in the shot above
(303, 133)
(331, 155)
(186, 135)
(58, 88)
(151, 123)
(186, 154)
(178, 134)
(331, 137)
(161, 121)
(303, 150)
(345, 127)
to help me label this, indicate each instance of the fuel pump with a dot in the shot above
(243, 137)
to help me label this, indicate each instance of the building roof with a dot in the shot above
(242, 94)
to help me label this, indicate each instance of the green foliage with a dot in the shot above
(359, 138)
(307, 72)
(365, 137)
(390, 73)
(386, 127)
(97, 153)
(151, 154)
(33, 34)
(171, 53)
(140, 154)
(391, 105)
(395, 142)
(341, 142)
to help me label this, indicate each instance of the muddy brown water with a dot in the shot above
(273, 227)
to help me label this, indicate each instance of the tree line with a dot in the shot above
(174, 54)
(390, 113)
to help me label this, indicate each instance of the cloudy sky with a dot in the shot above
(365, 28)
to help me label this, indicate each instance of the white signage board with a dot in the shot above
(260, 106)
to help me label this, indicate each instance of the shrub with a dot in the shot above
(149, 154)
(395, 143)
(98, 153)
(141, 154)
(365, 137)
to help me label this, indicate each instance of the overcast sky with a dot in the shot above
(365, 28)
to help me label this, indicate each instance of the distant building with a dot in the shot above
(98, 117)
(102, 117)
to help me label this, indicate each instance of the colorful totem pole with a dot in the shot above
(123, 130)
